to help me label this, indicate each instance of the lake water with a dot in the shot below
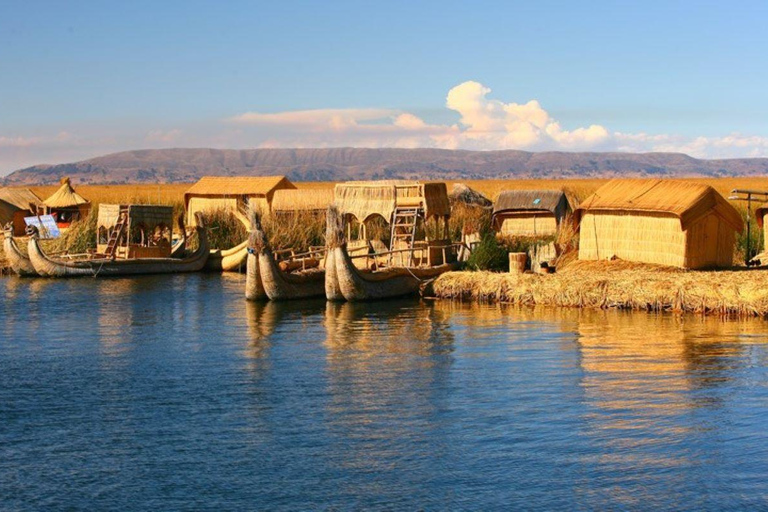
(164, 393)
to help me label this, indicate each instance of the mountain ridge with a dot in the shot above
(176, 165)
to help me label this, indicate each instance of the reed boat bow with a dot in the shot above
(18, 261)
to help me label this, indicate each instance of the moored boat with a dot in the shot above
(133, 263)
(18, 261)
(265, 274)
(355, 285)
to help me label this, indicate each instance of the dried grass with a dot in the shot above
(618, 285)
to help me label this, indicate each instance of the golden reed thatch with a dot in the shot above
(302, 200)
(65, 197)
(617, 285)
(667, 222)
(363, 199)
(529, 212)
(231, 193)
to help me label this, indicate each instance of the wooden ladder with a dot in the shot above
(403, 229)
(117, 231)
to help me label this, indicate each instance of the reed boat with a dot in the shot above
(100, 265)
(353, 284)
(264, 273)
(228, 260)
(19, 262)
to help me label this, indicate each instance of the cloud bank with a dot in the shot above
(484, 123)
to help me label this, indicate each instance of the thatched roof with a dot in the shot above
(686, 200)
(13, 200)
(65, 197)
(461, 193)
(21, 198)
(147, 214)
(302, 199)
(554, 201)
(366, 198)
(232, 186)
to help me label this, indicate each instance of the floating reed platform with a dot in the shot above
(617, 285)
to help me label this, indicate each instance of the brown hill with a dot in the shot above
(187, 165)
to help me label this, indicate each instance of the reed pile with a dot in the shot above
(618, 285)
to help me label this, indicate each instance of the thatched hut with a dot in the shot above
(406, 206)
(529, 212)
(290, 201)
(66, 205)
(233, 193)
(668, 222)
(15, 204)
(143, 230)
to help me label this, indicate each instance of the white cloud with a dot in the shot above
(483, 123)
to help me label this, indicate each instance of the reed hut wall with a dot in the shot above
(656, 238)
(538, 223)
(530, 212)
(668, 222)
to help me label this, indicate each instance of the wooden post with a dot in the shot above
(517, 262)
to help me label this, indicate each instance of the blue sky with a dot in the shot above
(79, 79)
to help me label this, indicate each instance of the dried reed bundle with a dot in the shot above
(619, 285)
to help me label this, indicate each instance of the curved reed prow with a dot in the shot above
(32, 232)
(8, 230)
(334, 228)
(257, 240)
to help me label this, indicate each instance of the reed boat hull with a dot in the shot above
(279, 285)
(55, 267)
(20, 264)
(332, 289)
(228, 260)
(393, 282)
(254, 289)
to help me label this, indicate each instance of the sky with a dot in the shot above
(81, 79)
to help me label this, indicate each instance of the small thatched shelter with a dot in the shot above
(233, 193)
(289, 201)
(407, 206)
(145, 230)
(15, 204)
(668, 222)
(364, 199)
(529, 212)
(66, 205)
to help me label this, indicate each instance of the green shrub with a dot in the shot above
(489, 255)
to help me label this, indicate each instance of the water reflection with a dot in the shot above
(404, 404)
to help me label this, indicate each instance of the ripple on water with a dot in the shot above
(174, 392)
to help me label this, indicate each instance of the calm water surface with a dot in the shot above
(165, 393)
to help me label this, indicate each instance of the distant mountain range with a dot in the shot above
(187, 165)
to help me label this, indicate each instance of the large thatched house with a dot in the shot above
(233, 193)
(15, 204)
(529, 212)
(66, 205)
(667, 222)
